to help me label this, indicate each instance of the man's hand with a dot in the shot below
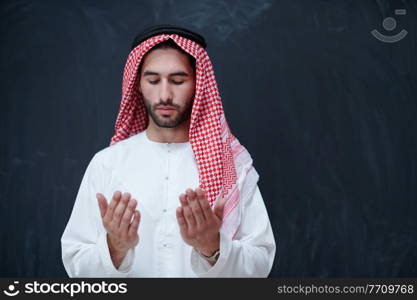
(122, 231)
(199, 224)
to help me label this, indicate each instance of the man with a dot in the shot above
(175, 194)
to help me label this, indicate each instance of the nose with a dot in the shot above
(165, 92)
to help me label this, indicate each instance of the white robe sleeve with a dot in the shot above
(251, 254)
(85, 252)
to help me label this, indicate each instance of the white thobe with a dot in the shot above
(155, 174)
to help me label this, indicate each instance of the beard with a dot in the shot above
(172, 120)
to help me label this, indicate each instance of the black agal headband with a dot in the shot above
(168, 29)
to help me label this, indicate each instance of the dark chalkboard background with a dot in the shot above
(328, 112)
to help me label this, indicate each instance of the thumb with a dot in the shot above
(219, 207)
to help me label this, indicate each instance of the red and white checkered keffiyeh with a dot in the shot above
(223, 162)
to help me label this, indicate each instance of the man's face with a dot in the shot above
(167, 84)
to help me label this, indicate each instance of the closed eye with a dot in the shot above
(176, 82)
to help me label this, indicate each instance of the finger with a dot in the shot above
(194, 204)
(191, 195)
(102, 204)
(181, 219)
(183, 199)
(218, 209)
(110, 211)
(127, 215)
(120, 209)
(133, 227)
(188, 215)
(205, 205)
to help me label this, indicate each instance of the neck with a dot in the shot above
(177, 134)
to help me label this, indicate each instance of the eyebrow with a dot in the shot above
(179, 73)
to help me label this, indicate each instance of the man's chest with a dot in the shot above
(156, 181)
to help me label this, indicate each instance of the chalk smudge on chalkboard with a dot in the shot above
(223, 18)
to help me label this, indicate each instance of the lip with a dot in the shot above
(165, 109)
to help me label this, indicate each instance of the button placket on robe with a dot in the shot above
(159, 232)
(165, 243)
(172, 151)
